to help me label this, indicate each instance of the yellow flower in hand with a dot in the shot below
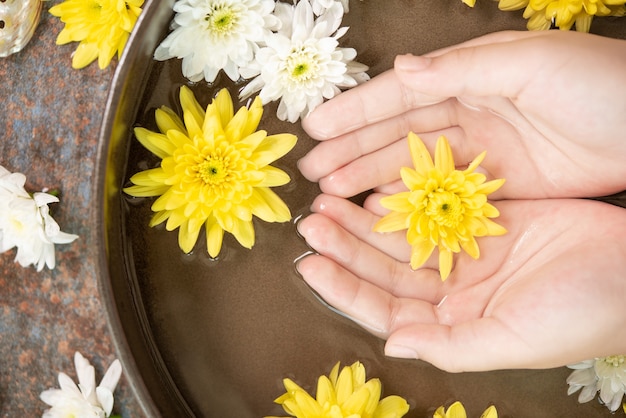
(214, 171)
(443, 208)
(456, 410)
(101, 26)
(342, 395)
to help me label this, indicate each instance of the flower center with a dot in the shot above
(302, 64)
(221, 19)
(445, 208)
(213, 170)
(615, 361)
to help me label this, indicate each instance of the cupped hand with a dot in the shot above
(550, 292)
(548, 107)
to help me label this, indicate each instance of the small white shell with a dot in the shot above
(18, 20)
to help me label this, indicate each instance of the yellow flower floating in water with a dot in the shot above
(564, 13)
(214, 171)
(101, 26)
(342, 395)
(443, 208)
(456, 410)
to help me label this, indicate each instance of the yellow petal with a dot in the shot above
(214, 236)
(325, 393)
(272, 148)
(156, 143)
(85, 54)
(490, 413)
(398, 202)
(445, 263)
(471, 247)
(273, 177)
(394, 221)
(412, 179)
(268, 206)
(224, 106)
(475, 163)
(443, 156)
(456, 410)
(490, 186)
(420, 252)
(244, 233)
(188, 234)
(191, 106)
(391, 407)
(167, 119)
(422, 160)
(345, 385)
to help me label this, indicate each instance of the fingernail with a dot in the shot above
(412, 63)
(400, 351)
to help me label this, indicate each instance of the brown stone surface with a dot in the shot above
(50, 119)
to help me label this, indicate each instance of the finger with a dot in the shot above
(366, 304)
(379, 99)
(384, 96)
(494, 69)
(359, 222)
(332, 154)
(382, 166)
(368, 263)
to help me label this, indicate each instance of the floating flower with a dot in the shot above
(340, 395)
(566, 13)
(26, 224)
(457, 410)
(443, 208)
(542, 14)
(606, 375)
(302, 63)
(320, 6)
(214, 35)
(84, 400)
(101, 26)
(214, 171)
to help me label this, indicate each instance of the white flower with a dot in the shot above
(604, 374)
(302, 64)
(84, 400)
(320, 6)
(25, 223)
(213, 35)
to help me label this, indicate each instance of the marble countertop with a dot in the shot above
(50, 118)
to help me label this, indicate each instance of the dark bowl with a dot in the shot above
(204, 338)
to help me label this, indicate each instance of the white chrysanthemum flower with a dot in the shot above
(320, 6)
(84, 400)
(604, 374)
(214, 35)
(25, 223)
(302, 64)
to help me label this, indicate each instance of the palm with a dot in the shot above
(531, 300)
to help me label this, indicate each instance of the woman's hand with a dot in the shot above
(549, 108)
(550, 292)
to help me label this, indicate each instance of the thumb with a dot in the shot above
(479, 345)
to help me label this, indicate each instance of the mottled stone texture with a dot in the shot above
(50, 118)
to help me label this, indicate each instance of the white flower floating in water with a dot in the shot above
(302, 63)
(84, 400)
(214, 35)
(604, 374)
(319, 6)
(25, 223)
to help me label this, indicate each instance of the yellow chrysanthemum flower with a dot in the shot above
(541, 14)
(443, 208)
(101, 26)
(214, 171)
(456, 410)
(342, 395)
